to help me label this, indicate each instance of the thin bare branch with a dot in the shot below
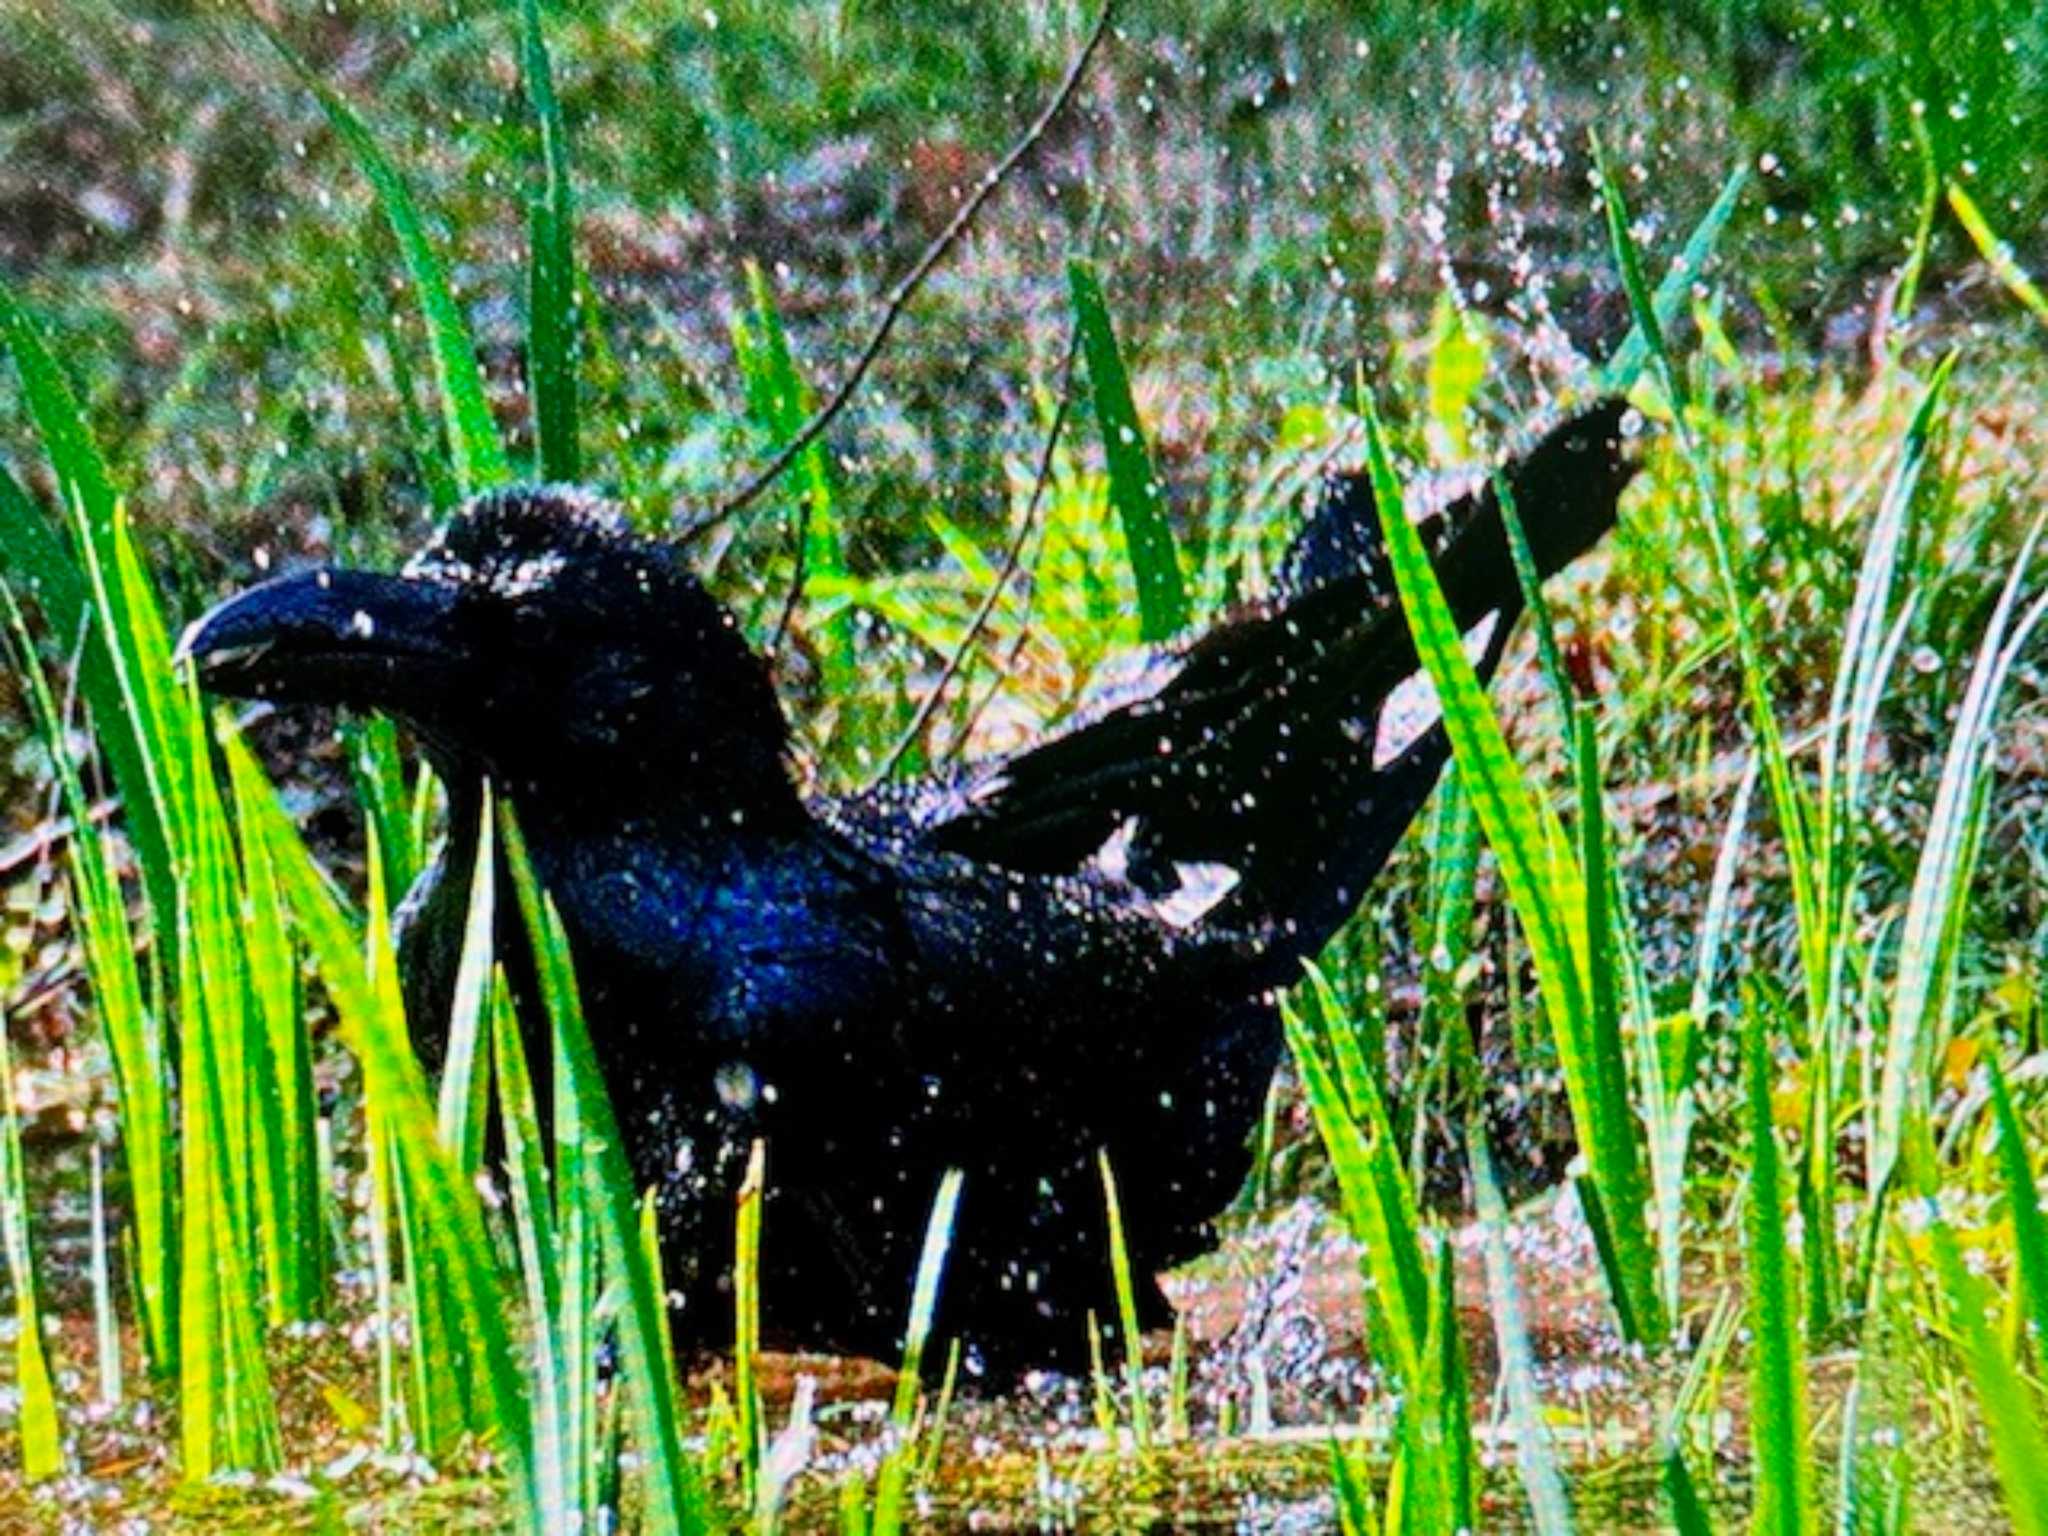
(901, 295)
(1012, 558)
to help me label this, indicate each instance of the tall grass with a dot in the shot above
(1865, 1085)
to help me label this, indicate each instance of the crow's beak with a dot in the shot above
(328, 637)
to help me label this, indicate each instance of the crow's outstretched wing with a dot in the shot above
(1261, 753)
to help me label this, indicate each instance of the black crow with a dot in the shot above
(1005, 969)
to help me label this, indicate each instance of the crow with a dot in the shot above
(1010, 969)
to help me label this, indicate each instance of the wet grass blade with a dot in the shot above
(474, 447)
(1551, 896)
(1778, 1438)
(672, 1501)
(1133, 488)
(1629, 359)
(34, 555)
(746, 1324)
(42, 1448)
(2023, 1199)
(1126, 1309)
(892, 1482)
(1928, 940)
(2019, 1446)
(1996, 253)
(924, 1299)
(550, 266)
(373, 1027)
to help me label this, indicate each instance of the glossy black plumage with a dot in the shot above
(1003, 971)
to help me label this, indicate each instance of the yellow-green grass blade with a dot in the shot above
(1126, 1308)
(373, 1027)
(1996, 253)
(41, 1432)
(746, 1323)
(286, 1172)
(673, 1502)
(35, 556)
(132, 1031)
(1372, 1185)
(1550, 894)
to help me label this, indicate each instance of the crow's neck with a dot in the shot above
(672, 799)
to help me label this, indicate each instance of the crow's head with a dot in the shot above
(536, 639)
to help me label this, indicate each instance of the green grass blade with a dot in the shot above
(1778, 1437)
(1941, 879)
(473, 443)
(1133, 488)
(1450, 1394)
(672, 1501)
(551, 267)
(373, 1027)
(780, 402)
(1126, 1308)
(1547, 888)
(33, 554)
(1626, 366)
(2019, 1447)
(1372, 1184)
(2029, 1225)
(377, 770)
(1682, 1496)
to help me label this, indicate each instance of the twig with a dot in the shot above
(49, 835)
(901, 295)
(795, 594)
(1012, 558)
